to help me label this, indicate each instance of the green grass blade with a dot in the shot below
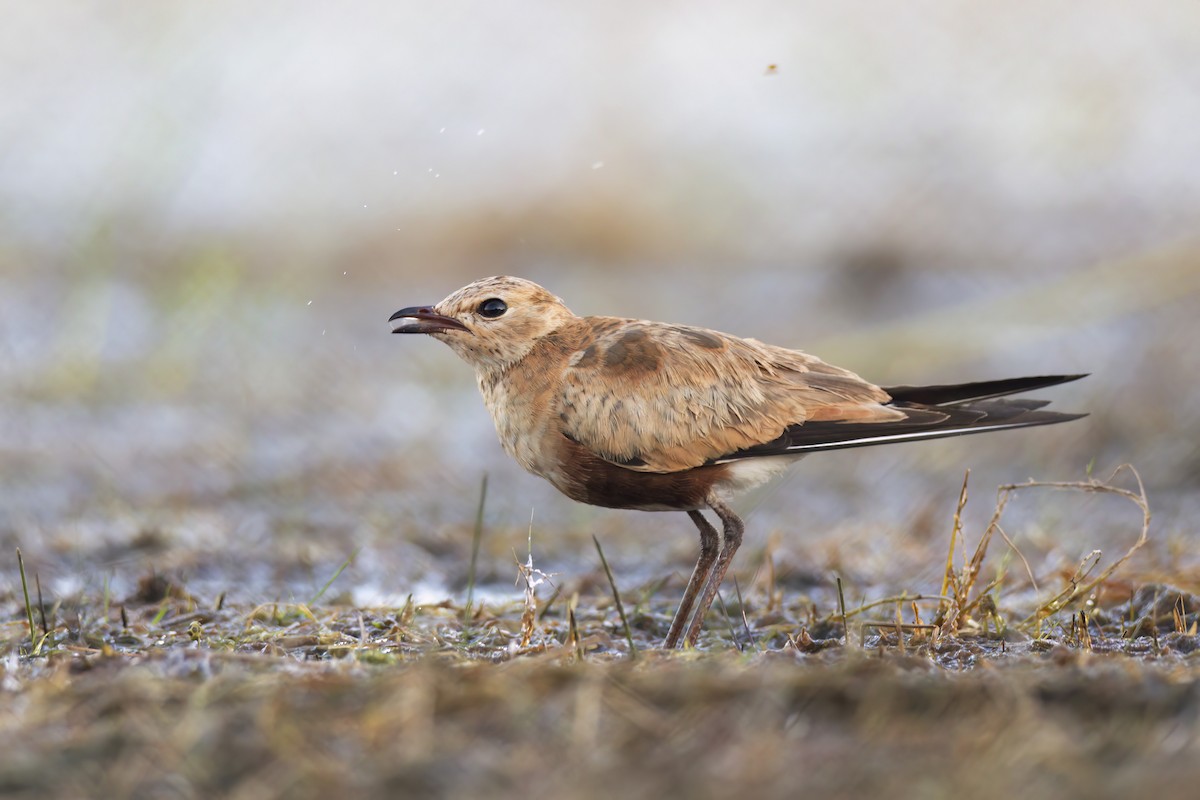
(334, 577)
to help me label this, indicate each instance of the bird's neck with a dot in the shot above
(522, 396)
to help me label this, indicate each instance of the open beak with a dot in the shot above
(423, 319)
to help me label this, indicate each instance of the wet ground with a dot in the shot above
(170, 698)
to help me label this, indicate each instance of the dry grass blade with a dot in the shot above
(1085, 636)
(532, 578)
(962, 598)
(549, 604)
(892, 600)
(961, 585)
(28, 606)
(573, 638)
(1078, 585)
(742, 606)
(895, 625)
(1179, 614)
(616, 598)
(774, 595)
(949, 580)
(476, 538)
(729, 622)
(842, 611)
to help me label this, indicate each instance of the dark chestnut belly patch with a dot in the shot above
(590, 479)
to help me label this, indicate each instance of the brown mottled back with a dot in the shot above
(680, 396)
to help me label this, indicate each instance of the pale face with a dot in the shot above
(490, 323)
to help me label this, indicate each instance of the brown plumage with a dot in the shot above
(633, 414)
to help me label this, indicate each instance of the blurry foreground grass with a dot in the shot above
(1053, 682)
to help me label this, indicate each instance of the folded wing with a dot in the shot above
(664, 398)
(930, 412)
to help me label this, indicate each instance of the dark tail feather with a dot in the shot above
(930, 412)
(949, 394)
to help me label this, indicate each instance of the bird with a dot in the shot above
(634, 414)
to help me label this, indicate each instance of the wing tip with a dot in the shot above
(960, 393)
(1029, 419)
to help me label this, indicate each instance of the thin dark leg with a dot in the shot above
(731, 539)
(710, 546)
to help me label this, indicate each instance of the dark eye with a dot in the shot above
(492, 308)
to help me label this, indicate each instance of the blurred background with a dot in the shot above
(208, 212)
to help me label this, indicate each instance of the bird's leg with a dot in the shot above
(710, 546)
(731, 539)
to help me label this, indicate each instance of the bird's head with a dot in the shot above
(493, 322)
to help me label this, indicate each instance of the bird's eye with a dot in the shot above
(492, 308)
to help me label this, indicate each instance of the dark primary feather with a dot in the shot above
(980, 390)
(931, 412)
